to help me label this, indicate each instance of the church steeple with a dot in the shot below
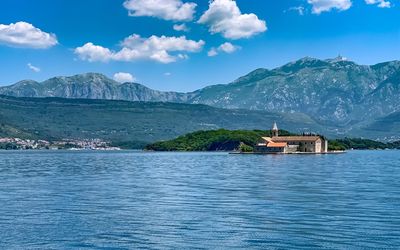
(275, 130)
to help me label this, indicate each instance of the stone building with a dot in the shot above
(291, 144)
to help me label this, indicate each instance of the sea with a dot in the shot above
(130, 200)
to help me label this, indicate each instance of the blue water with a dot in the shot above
(125, 200)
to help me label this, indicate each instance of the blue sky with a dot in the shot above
(45, 38)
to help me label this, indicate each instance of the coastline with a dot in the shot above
(292, 153)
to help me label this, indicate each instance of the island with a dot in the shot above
(246, 141)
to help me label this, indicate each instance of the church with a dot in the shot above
(291, 144)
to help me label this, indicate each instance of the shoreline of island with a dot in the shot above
(222, 140)
(244, 142)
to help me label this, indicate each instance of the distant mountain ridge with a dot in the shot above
(89, 86)
(335, 92)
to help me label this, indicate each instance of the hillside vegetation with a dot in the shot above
(361, 144)
(214, 140)
(245, 140)
(131, 124)
(386, 128)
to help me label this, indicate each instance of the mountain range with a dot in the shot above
(335, 93)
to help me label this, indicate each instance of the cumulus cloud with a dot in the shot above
(380, 3)
(161, 49)
(225, 17)
(228, 48)
(181, 27)
(174, 10)
(33, 68)
(319, 6)
(25, 35)
(225, 47)
(94, 53)
(124, 77)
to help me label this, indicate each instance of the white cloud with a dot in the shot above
(212, 52)
(228, 48)
(124, 77)
(162, 43)
(181, 27)
(225, 47)
(33, 68)
(161, 49)
(93, 53)
(25, 35)
(183, 56)
(174, 10)
(299, 9)
(381, 3)
(167, 74)
(225, 17)
(319, 6)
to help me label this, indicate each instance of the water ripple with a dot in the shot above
(124, 200)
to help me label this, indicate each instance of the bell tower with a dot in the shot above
(275, 130)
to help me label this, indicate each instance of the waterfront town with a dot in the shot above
(65, 144)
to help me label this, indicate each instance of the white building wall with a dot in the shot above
(318, 147)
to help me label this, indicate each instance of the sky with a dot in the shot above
(184, 45)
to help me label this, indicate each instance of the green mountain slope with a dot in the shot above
(9, 131)
(332, 91)
(386, 128)
(335, 92)
(122, 121)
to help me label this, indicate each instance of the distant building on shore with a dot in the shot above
(291, 144)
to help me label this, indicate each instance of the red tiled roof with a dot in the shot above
(276, 145)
